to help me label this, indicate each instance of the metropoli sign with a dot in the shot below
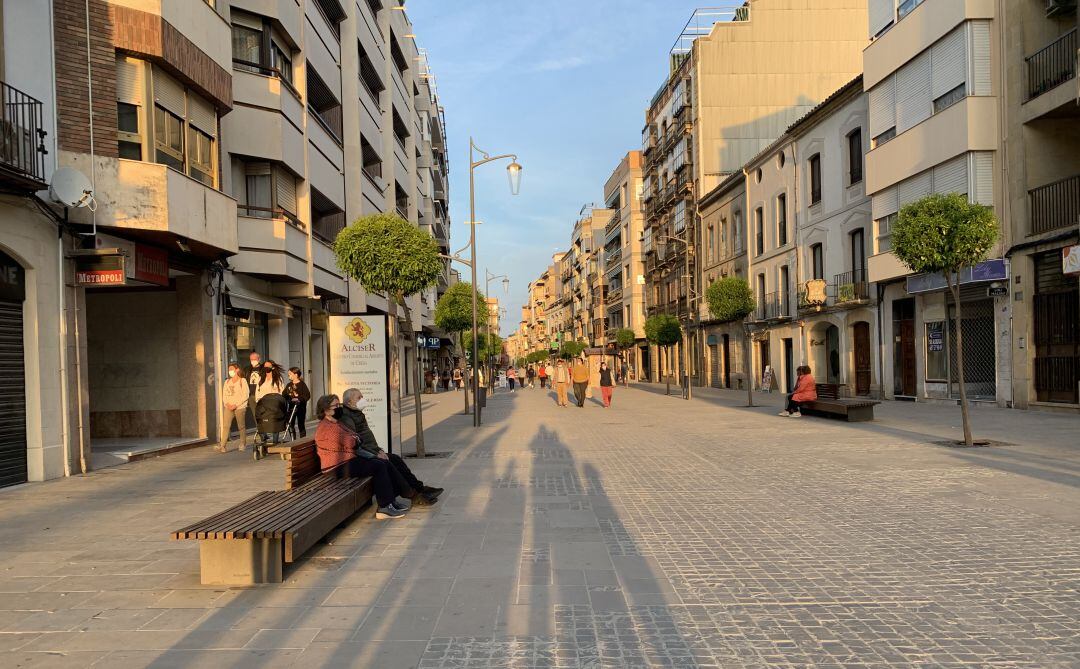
(359, 358)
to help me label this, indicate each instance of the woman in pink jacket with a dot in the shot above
(805, 391)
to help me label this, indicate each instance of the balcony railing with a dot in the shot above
(852, 286)
(22, 135)
(1052, 65)
(773, 306)
(1055, 205)
(270, 213)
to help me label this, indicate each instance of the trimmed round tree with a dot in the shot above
(945, 234)
(663, 330)
(624, 339)
(571, 349)
(388, 255)
(730, 299)
(453, 313)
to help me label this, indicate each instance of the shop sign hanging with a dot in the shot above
(359, 358)
(100, 270)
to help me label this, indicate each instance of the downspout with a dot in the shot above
(880, 342)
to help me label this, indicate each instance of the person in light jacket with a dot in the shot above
(562, 381)
(234, 400)
(805, 391)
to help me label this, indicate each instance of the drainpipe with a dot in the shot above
(64, 391)
(880, 342)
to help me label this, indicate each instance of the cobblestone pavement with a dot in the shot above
(658, 533)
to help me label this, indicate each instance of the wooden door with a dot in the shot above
(907, 357)
(862, 358)
(727, 361)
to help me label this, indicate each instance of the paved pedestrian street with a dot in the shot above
(657, 533)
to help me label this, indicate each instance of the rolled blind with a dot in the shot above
(129, 80)
(169, 93)
(952, 176)
(885, 202)
(983, 182)
(883, 106)
(915, 188)
(285, 188)
(881, 14)
(202, 115)
(949, 62)
(980, 58)
(913, 101)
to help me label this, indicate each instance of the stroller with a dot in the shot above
(270, 420)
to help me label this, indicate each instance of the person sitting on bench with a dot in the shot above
(353, 418)
(805, 391)
(341, 458)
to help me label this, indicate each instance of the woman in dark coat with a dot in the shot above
(271, 408)
(297, 394)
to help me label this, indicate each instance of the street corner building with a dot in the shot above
(221, 145)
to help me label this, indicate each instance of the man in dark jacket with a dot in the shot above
(253, 374)
(353, 418)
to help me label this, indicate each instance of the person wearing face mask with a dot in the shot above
(234, 398)
(297, 394)
(252, 373)
(353, 418)
(270, 406)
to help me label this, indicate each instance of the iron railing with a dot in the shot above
(773, 306)
(22, 135)
(1055, 205)
(269, 213)
(852, 286)
(1052, 65)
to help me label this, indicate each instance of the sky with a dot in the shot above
(563, 84)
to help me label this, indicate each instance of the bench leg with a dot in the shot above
(240, 561)
(860, 414)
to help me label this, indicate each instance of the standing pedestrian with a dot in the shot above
(530, 374)
(297, 395)
(579, 373)
(511, 377)
(542, 373)
(562, 380)
(253, 374)
(607, 387)
(234, 397)
(457, 378)
(445, 378)
(270, 406)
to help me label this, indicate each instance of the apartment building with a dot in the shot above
(587, 322)
(229, 142)
(623, 261)
(935, 126)
(783, 57)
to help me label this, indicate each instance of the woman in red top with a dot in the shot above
(805, 391)
(340, 457)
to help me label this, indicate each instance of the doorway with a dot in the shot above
(861, 335)
(714, 365)
(832, 354)
(317, 359)
(789, 366)
(727, 361)
(980, 358)
(904, 347)
(763, 360)
(1057, 332)
(646, 366)
(13, 467)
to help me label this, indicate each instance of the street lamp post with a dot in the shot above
(488, 278)
(513, 171)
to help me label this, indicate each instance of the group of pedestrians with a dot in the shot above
(578, 374)
(261, 391)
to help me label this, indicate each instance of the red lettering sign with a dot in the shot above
(151, 265)
(100, 277)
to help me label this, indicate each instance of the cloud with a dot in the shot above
(559, 64)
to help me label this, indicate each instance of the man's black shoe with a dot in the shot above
(427, 498)
(431, 491)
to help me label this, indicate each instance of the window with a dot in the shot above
(884, 235)
(817, 261)
(949, 99)
(281, 62)
(247, 48)
(201, 155)
(937, 360)
(333, 13)
(258, 190)
(761, 293)
(710, 243)
(759, 218)
(855, 156)
(858, 256)
(372, 163)
(885, 137)
(128, 135)
(785, 298)
(401, 130)
(257, 48)
(725, 250)
(679, 216)
(781, 219)
(323, 105)
(168, 139)
(906, 7)
(396, 54)
(737, 225)
(781, 160)
(815, 178)
(369, 76)
(327, 220)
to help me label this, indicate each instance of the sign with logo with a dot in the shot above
(997, 290)
(935, 336)
(428, 342)
(104, 270)
(151, 265)
(359, 358)
(987, 270)
(1070, 260)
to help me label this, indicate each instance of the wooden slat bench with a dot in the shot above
(254, 540)
(829, 402)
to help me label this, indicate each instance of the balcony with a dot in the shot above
(774, 306)
(1055, 205)
(852, 287)
(614, 294)
(273, 243)
(614, 258)
(22, 152)
(1052, 65)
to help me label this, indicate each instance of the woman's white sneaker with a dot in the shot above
(796, 415)
(785, 414)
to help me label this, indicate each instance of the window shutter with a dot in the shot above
(129, 80)
(980, 58)
(247, 20)
(202, 115)
(884, 203)
(913, 102)
(169, 93)
(952, 176)
(915, 188)
(982, 172)
(883, 106)
(256, 169)
(881, 15)
(949, 58)
(285, 187)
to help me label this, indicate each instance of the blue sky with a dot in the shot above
(562, 83)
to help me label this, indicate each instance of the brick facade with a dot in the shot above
(72, 91)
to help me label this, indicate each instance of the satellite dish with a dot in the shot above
(71, 188)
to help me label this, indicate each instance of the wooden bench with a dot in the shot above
(254, 540)
(829, 402)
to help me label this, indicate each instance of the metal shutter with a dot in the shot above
(886, 202)
(913, 102)
(915, 188)
(285, 187)
(202, 115)
(881, 15)
(12, 395)
(952, 176)
(980, 58)
(982, 173)
(949, 62)
(129, 80)
(883, 106)
(169, 93)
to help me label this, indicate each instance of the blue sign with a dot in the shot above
(434, 342)
(988, 270)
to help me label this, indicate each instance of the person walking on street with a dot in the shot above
(530, 374)
(234, 397)
(607, 387)
(580, 376)
(542, 373)
(253, 374)
(511, 377)
(562, 380)
(805, 391)
(270, 406)
(297, 395)
(457, 378)
(445, 378)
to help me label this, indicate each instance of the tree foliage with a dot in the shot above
(943, 233)
(625, 337)
(571, 349)
(663, 329)
(730, 299)
(536, 356)
(488, 345)
(453, 313)
(387, 254)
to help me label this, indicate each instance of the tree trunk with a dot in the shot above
(954, 288)
(749, 367)
(667, 377)
(417, 409)
(464, 382)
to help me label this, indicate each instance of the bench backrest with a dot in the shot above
(302, 462)
(828, 391)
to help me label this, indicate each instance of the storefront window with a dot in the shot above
(242, 336)
(937, 356)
